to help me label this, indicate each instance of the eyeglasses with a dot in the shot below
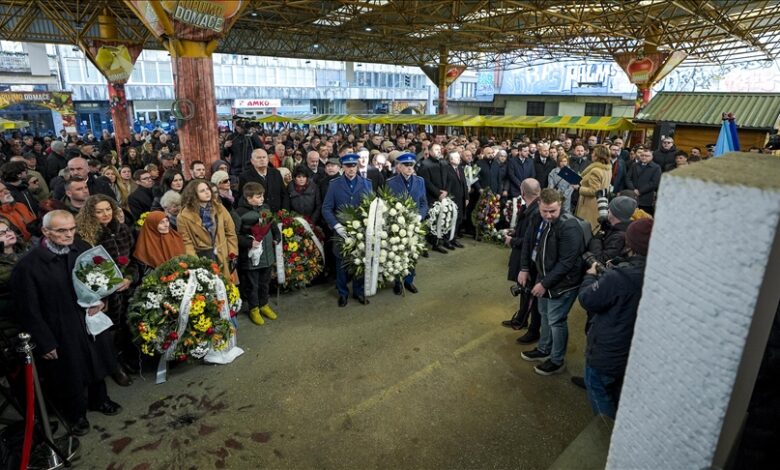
(145, 178)
(224, 181)
(5, 232)
(63, 231)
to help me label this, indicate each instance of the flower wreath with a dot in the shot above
(441, 218)
(300, 256)
(512, 209)
(178, 311)
(385, 238)
(486, 215)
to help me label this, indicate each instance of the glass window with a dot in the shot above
(164, 69)
(138, 74)
(598, 109)
(240, 75)
(535, 108)
(73, 67)
(150, 72)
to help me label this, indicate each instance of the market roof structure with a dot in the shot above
(475, 33)
(752, 110)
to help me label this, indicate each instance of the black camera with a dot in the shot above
(517, 289)
(589, 258)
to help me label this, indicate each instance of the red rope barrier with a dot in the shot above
(29, 418)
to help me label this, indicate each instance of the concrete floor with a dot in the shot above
(427, 381)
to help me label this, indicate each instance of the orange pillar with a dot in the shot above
(193, 82)
(118, 100)
(443, 59)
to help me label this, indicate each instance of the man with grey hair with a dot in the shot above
(367, 171)
(56, 160)
(458, 191)
(72, 364)
(79, 168)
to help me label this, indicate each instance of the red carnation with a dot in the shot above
(173, 335)
(166, 345)
(182, 357)
(210, 331)
(232, 256)
(123, 260)
(232, 313)
(98, 259)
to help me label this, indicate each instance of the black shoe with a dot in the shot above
(535, 355)
(424, 254)
(397, 289)
(81, 427)
(511, 323)
(361, 298)
(128, 366)
(579, 381)
(411, 288)
(342, 301)
(440, 249)
(448, 246)
(548, 367)
(108, 408)
(457, 244)
(121, 378)
(528, 338)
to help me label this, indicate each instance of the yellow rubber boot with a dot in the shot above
(255, 316)
(266, 310)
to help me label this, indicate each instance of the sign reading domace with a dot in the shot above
(257, 103)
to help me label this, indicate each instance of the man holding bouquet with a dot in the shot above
(72, 364)
(407, 184)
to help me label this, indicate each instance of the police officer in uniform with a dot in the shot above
(348, 189)
(407, 184)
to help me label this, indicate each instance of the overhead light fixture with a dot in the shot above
(254, 13)
(368, 29)
(316, 46)
(455, 26)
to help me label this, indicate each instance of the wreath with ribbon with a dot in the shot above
(300, 257)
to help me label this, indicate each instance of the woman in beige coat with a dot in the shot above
(206, 227)
(597, 176)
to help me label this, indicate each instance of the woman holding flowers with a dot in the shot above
(206, 227)
(98, 223)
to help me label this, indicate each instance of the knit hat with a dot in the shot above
(622, 207)
(219, 176)
(638, 236)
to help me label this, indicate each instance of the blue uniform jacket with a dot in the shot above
(339, 194)
(416, 189)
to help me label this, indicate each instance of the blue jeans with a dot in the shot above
(555, 330)
(603, 392)
(342, 277)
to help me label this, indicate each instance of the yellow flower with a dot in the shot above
(233, 294)
(149, 335)
(147, 350)
(197, 308)
(203, 323)
(142, 219)
(288, 232)
(293, 246)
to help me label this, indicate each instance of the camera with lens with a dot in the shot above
(602, 203)
(589, 259)
(517, 289)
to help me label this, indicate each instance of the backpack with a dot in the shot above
(587, 229)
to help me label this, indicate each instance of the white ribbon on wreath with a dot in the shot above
(314, 238)
(439, 213)
(513, 219)
(183, 320)
(232, 351)
(280, 277)
(373, 243)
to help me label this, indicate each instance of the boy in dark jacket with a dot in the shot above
(613, 300)
(257, 237)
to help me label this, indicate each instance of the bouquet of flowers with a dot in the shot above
(183, 310)
(512, 210)
(300, 258)
(95, 276)
(386, 237)
(486, 216)
(471, 172)
(141, 219)
(441, 217)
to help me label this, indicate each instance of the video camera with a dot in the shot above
(589, 259)
(517, 289)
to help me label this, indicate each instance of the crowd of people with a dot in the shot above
(141, 201)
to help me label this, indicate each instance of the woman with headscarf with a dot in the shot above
(157, 242)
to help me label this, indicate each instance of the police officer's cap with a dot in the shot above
(406, 158)
(350, 159)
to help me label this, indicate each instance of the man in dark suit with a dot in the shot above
(276, 195)
(458, 190)
(518, 169)
(239, 147)
(543, 165)
(407, 184)
(432, 171)
(644, 178)
(368, 172)
(347, 190)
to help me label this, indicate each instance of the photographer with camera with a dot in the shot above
(529, 192)
(613, 299)
(610, 241)
(554, 245)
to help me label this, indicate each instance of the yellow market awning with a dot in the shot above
(596, 123)
(6, 124)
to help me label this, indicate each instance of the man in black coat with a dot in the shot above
(613, 300)
(664, 156)
(73, 364)
(518, 169)
(543, 165)
(554, 244)
(530, 189)
(433, 171)
(368, 172)
(79, 168)
(644, 178)
(238, 148)
(14, 177)
(276, 195)
(458, 190)
(56, 161)
(142, 198)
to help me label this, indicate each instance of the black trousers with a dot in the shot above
(254, 286)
